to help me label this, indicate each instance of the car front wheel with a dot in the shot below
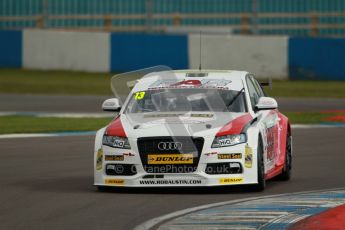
(260, 186)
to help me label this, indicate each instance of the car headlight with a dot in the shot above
(228, 140)
(116, 142)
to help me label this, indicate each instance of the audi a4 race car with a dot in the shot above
(193, 128)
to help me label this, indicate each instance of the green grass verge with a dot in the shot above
(306, 117)
(54, 82)
(29, 124)
(77, 83)
(308, 89)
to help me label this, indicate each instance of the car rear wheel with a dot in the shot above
(260, 186)
(286, 174)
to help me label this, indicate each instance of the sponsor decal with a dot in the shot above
(170, 159)
(188, 82)
(271, 137)
(266, 102)
(114, 158)
(179, 115)
(226, 156)
(119, 143)
(99, 159)
(204, 83)
(229, 140)
(167, 182)
(139, 95)
(230, 180)
(164, 115)
(210, 154)
(114, 181)
(248, 156)
(201, 115)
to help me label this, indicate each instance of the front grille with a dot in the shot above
(190, 145)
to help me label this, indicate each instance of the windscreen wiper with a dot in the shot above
(234, 99)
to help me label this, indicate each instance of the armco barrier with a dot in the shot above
(317, 58)
(82, 51)
(266, 56)
(10, 48)
(137, 51)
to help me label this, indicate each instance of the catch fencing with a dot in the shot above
(260, 17)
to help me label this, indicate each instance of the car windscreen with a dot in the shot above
(186, 100)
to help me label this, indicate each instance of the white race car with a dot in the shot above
(193, 128)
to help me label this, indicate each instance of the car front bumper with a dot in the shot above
(199, 177)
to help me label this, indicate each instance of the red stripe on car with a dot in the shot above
(115, 128)
(235, 126)
(285, 129)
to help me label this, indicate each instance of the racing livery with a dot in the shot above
(193, 128)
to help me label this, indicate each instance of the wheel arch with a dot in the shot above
(285, 131)
(98, 139)
(253, 133)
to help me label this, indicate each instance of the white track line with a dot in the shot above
(29, 135)
(155, 221)
(313, 126)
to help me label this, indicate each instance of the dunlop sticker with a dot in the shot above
(114, 181)
(170, 159)
(227, 156)
(231, 180)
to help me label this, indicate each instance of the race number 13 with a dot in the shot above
(139, 95)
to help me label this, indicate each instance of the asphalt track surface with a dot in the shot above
(83, 104)
(46, 183)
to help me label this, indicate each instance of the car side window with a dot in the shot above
(253, 94)
(258, 88)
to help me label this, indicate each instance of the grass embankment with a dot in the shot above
(30, 124)
(78, 83)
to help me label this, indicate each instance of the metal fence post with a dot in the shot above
(314, 22)
(255, 8)
(245, 24)
(176, 19)
(107, 22)
(41, 21)
(149, 6)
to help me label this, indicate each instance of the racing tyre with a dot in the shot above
(286, 174)
(260, 186)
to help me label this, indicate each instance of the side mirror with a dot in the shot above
(111, 105)
(266, 103)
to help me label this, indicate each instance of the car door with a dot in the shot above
(269, 121)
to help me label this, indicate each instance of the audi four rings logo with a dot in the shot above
(169, 145)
